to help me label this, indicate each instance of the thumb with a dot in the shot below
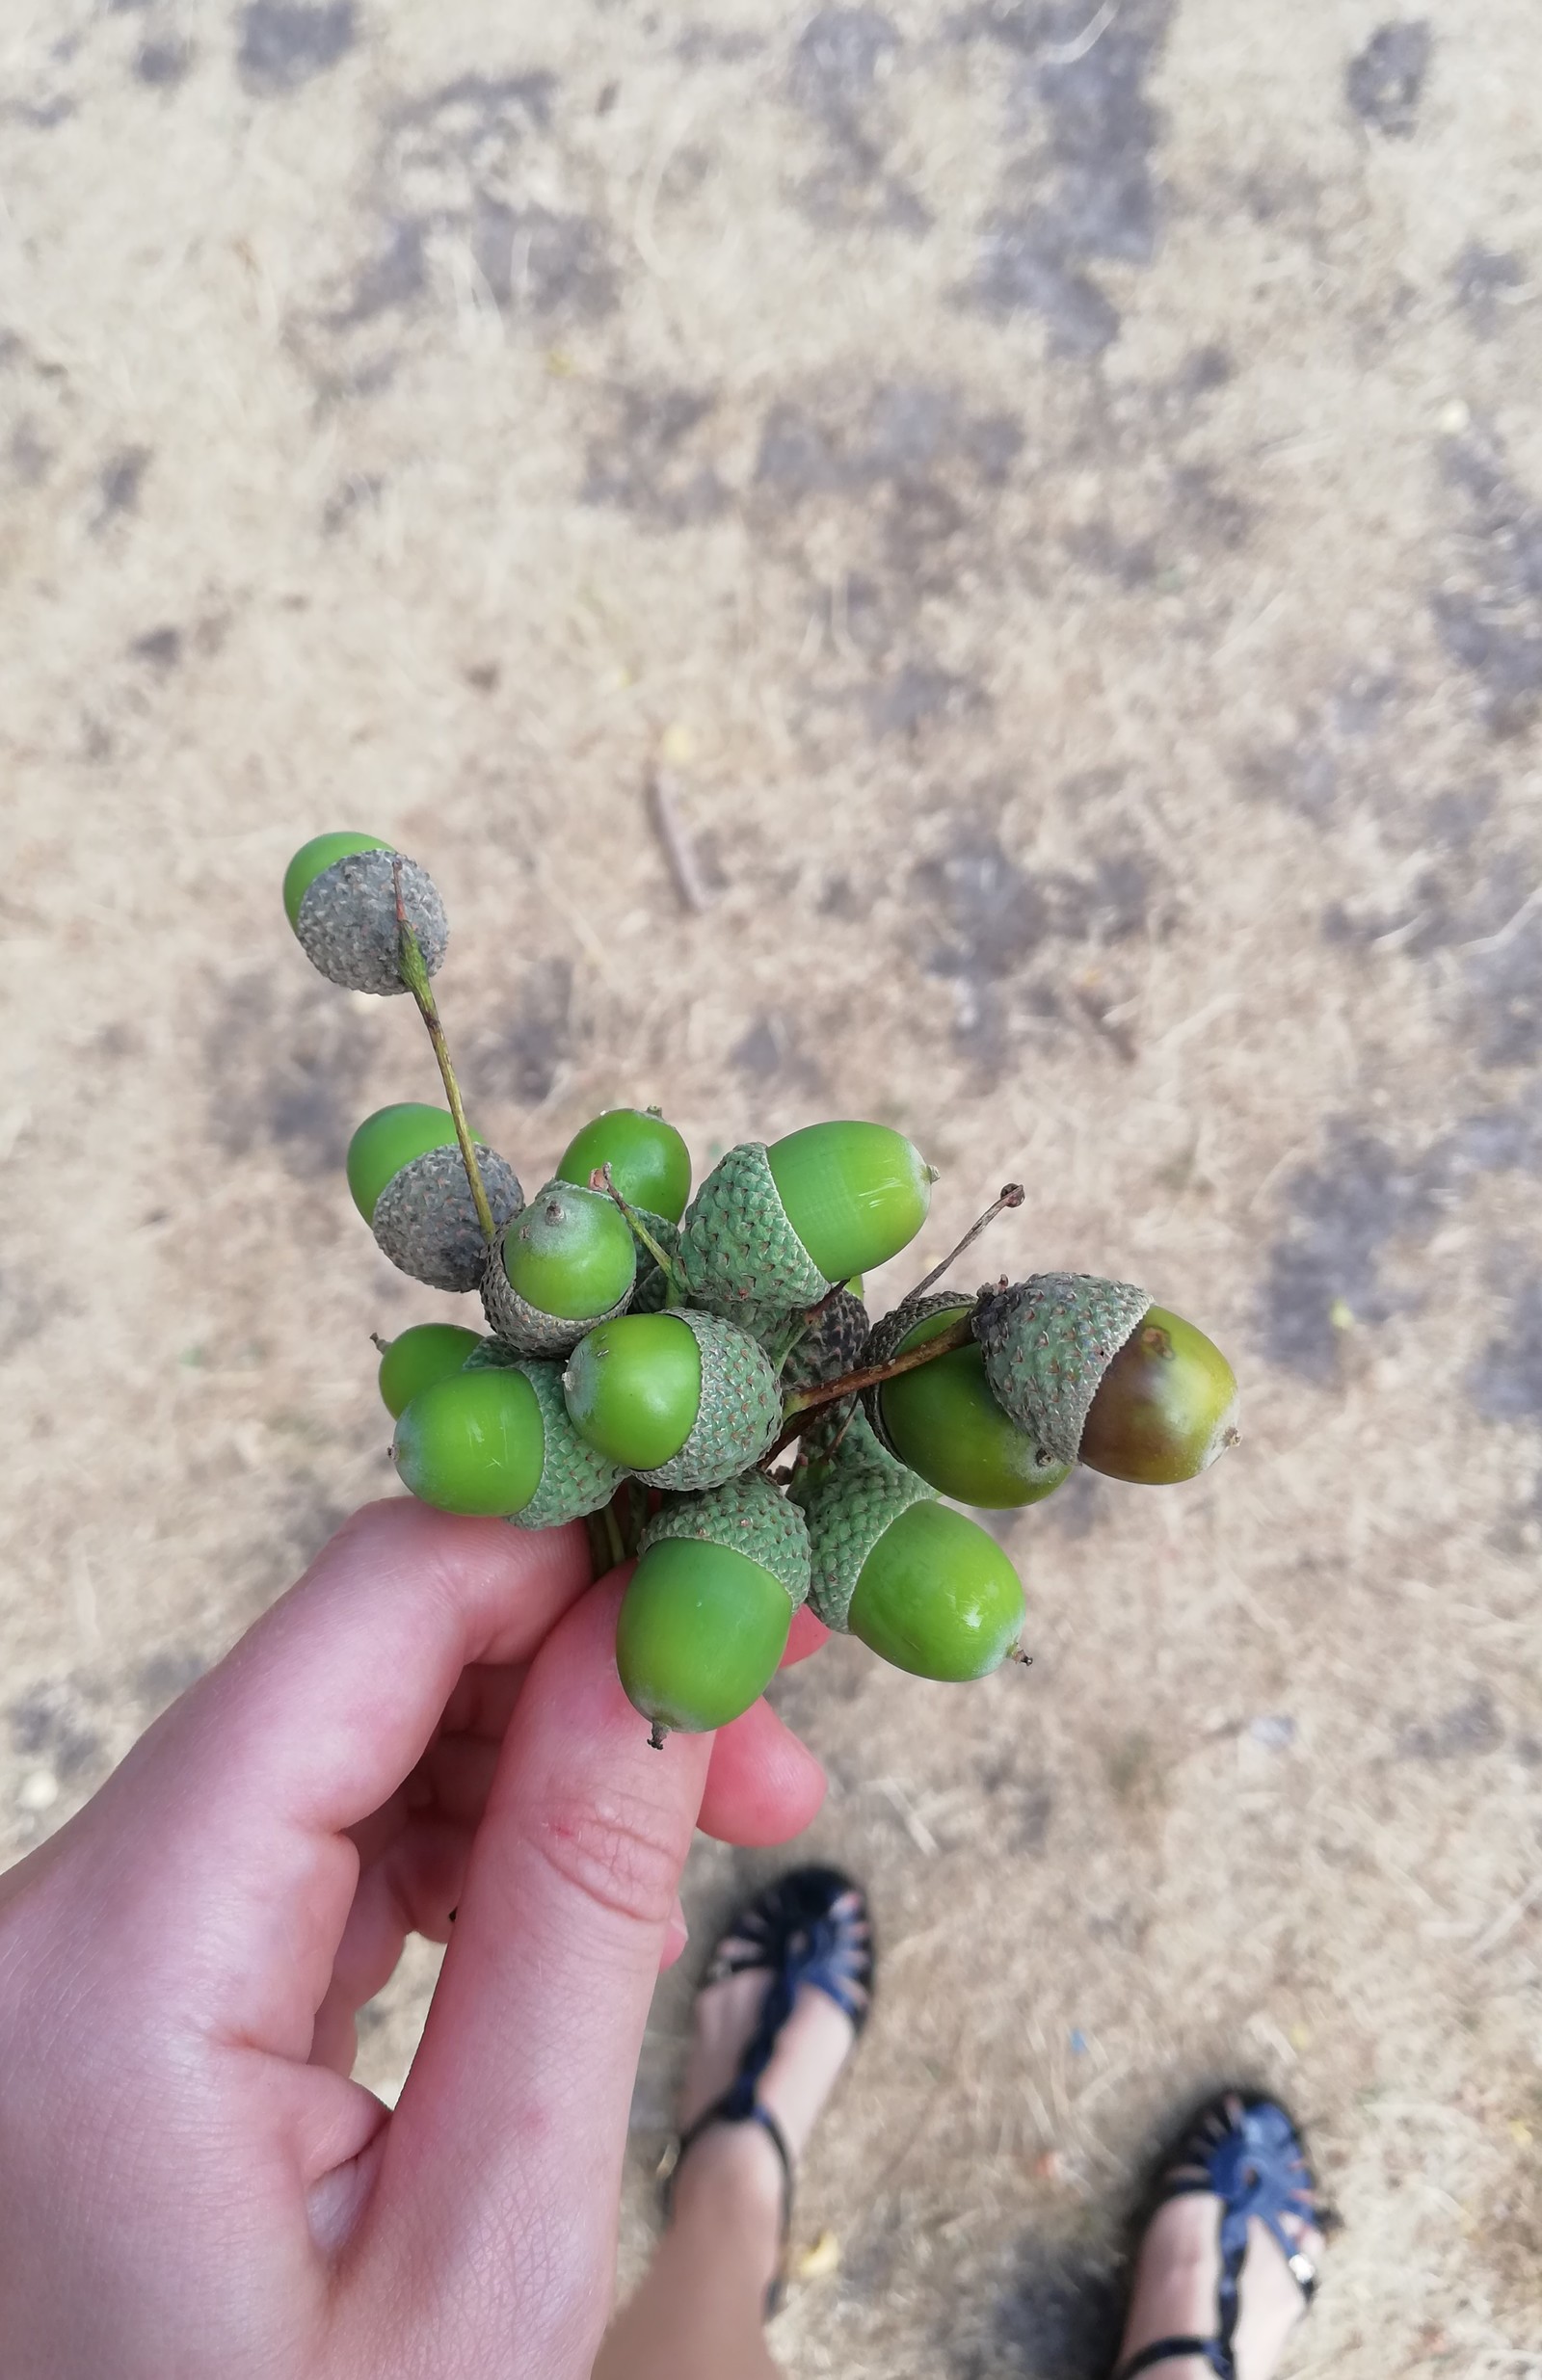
(501, 2175)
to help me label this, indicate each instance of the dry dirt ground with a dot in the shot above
(1064, 492)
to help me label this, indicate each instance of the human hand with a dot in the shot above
(190, 2182)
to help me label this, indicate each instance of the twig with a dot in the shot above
(414, 975)
(675, 844)
(802, 1408)
(599, 1180)
(1012, 1194)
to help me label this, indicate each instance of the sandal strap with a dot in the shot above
(1166, 2350)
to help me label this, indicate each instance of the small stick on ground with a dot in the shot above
(414, 975)
(1012, 1194)
(675, 844)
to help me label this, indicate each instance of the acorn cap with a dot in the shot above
(424, 1220)
(574, 1480)
(848, 1514)
(840, 1432)
(885, 1338)
(1047, 1342)
(739, 1256)
(655, 1287)
(831, 1345)
(346, 923)
(739, 1415)
(525, 1327)
(749, 1517)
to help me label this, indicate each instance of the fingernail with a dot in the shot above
(676, 1934)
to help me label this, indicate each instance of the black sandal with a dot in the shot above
(1247, 2152)
(796, 1932)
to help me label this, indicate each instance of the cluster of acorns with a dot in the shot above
(653, 1356)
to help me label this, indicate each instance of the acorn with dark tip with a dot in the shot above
(773, 1228)
(408, 1182)
(922, 1586)
(942, 1418)
(1097, 1374)
(568, 1262)
(704, 1620)
(339, 894)
(681, 1400)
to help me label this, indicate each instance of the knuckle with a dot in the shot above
(623, 1858)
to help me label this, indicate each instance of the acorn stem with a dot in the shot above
(803, 1405)
(414, 975)
(1012, 1194)
(657, 1735)
(599, 1180)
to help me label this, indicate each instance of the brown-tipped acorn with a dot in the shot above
(1099, 1375)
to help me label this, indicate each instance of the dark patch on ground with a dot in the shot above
(1346, 1212)
(285, 1071)
(909, 469)
(1021, 1808)
(159, 648)
(1486, 281)
(119, 484)
(1505, 984)
(1506, 1383)
(1489, 613)
(359, 492)
(1469, 1727)
(165, 1674)
(524, 1059)
(1306, 774)
(997, 917)
(475, 168)
(1087, 135)
(1386, 82)
(29, 454)
(919, 692)
(770, 1052)
(49, 1725)
(163, 63)
(1058, 2316)
(284, 44)
(645, 463)
(837, 68)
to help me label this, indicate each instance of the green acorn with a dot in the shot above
(649, 1163)
(704, 1620)
(472, 1443)
(942, 1418)
(575, 1478)
(568, 1262)
(428, 1351)
(922, 1586)
(682, 1400)
(409, 1183)
(772, 1228)
(339, 891)
(495, 1439)
(1062, 1346)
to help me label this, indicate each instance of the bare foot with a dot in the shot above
(811, 2050)
(1177, 2274)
